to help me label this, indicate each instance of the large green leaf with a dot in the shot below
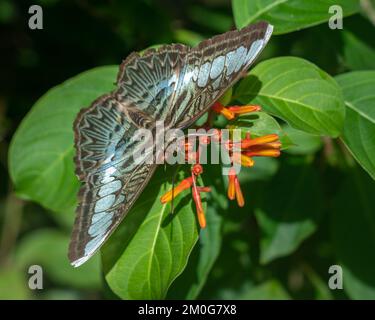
(289, 15)
(303, 143)
(359, 128)
(151, 247)
(287, 216)
(189, 284)
(296, 91)
(353, 226)
(41, 152)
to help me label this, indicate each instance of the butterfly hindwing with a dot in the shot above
(112, 180)
(98, 131)
(102, 206)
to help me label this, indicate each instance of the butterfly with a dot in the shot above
(175, 84)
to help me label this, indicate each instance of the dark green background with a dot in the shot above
(334, 194)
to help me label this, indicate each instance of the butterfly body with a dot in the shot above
(174, 84)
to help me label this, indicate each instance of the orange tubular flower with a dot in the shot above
(248, 142)
(239, 196)
(219, 108)
(234, 188)
(183, 185)
(263, 152)
(195, 171)
(232, 185)
(244, 109)
(243, 159)
(266, 146)
(198, 205)
(232, 111)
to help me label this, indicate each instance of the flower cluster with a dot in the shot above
(241, 152)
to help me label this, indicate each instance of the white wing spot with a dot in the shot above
(217, 67)
(110, 188)
(105, 203)
(203, 74)
(240, 56)
(230, 62)
(255, 47)
(100, 226)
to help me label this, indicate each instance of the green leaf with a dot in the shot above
(269, 290)
(189, 284)
(296, 91)
(226, 97)
(303, 143)
(357, 54)
(41, 153)
(353, 225)
(13, 285)
(359, 128)
(260, 124)
(151, 246)
(48, 248)
(289, 211)
(289, 15)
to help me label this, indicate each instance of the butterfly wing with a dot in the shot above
(150, 80)
(112, 180)
(173, 83)
(104, 145)
(214, 66)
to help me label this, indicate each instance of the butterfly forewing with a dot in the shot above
(214, 66)
(175, 84)
(149, 80)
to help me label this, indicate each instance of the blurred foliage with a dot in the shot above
(308, 210)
